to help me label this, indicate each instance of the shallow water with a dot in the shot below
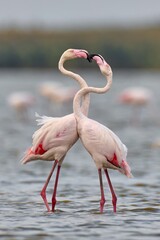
(22, 212)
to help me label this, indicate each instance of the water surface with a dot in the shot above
(22, 212)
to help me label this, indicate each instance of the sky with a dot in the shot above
(83, 13)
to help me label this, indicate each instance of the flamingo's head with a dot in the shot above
(75, 53)
(103, 65)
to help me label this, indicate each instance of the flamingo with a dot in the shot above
(103, 145)
(57, 93)
(21, 101)
(55, 137)
(137, 97)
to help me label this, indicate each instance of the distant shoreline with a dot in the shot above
(123, 48)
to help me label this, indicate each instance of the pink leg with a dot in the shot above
(55, 188)
(114, 198)
(102, 201)
(43, 192)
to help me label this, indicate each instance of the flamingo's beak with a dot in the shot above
(87, 55)
(92, 55)
(89, 58)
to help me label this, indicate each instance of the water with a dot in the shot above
(23, 214)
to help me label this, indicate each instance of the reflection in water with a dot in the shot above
(23, 214)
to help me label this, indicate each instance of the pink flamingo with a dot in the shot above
(56, 93)
(21, 101)
(137, 97)
(103, 145)
(56, 136)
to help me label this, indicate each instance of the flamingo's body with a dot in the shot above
(56, 93)
(135, 96)
(21, 101)
(104, 146)
(53, 139)
(56, 136)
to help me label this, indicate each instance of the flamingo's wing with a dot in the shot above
(125, 168)
(122, 147)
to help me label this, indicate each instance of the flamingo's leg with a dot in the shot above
(114, 197)
(43, 192)
(55, 188)
(102, 201)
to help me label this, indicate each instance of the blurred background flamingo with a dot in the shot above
(56, 94)
(135, 96)
(138, 98)
(21, 102)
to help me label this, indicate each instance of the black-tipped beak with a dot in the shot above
(93, 55)
(89, 58)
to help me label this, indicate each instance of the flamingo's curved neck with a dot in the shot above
(77, 99)
(80, 80)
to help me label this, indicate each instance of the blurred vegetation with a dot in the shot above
(122, 48)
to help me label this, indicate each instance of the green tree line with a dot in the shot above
(123, 48)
